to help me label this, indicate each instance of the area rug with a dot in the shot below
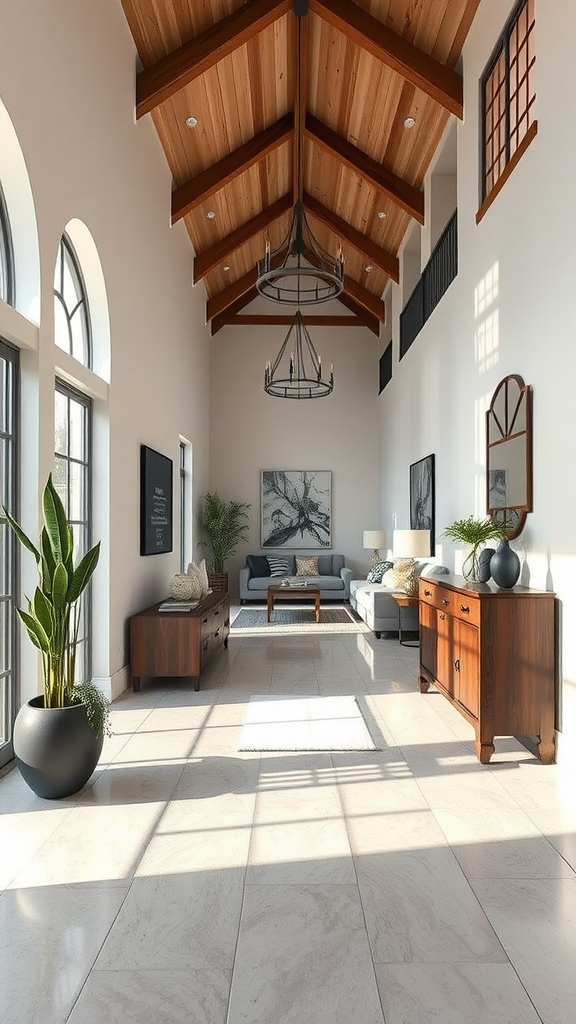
(296, 620)
(304, 723)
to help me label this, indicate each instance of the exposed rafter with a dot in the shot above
(210, 259)
(177, 69)
(417, 67)
(399, 191)
(373, 252)
(198, 189)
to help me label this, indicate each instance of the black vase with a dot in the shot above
(505, 566)
(56, 749)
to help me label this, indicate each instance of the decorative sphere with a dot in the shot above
(185, 588)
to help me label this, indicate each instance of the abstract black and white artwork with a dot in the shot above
(422, 497)
(296, 508)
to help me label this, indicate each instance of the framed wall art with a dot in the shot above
(155, 502)
(422, 498)
(296, 508)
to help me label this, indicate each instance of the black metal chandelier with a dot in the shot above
(299, 272)
(297, 369)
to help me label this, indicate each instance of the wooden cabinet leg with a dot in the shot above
(135, 684)
(424, 685)
(196, 681)
(546, 750)
(484, 751)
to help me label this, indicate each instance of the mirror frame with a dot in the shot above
(517, 396)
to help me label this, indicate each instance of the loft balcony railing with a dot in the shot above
(438, 274)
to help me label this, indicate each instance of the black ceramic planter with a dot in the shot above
(56, 749)
(505, 566)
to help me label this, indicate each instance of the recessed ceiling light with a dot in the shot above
(381, 215)
(211, 214)
(191, 121)
(409, 122)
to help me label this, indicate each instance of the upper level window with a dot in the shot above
(6, 258)
(71, 314)
(508, 98)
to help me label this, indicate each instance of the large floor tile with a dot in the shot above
(153, 997)
(302, 957)
(446, 994)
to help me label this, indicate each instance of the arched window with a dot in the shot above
(6, 255)
(71, 314)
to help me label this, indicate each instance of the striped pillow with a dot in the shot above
(278, 566)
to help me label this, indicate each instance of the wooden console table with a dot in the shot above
(178, 643)
(491, 653)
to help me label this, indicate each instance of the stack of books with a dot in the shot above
(177, 606)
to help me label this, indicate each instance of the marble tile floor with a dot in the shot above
(189, 883)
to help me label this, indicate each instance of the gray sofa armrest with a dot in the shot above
(346, 575)
(243, 577)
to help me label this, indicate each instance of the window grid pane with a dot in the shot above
(509, 95)
(71, 314)
(8, 550)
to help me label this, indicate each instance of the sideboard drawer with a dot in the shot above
(466, 609)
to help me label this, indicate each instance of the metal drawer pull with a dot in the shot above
(428, 593)
(464, 608)
(445, 600)
(442, 616)
(457, 664)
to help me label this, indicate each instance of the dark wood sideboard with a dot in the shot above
(491, 652)
(178, 643)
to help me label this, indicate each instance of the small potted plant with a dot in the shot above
(58, 736)
(224, 524)
(475, 533)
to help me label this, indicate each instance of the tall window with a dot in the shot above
(6, 255)
(508, 95)
(8, 587)
(72, 478)
(71, 314)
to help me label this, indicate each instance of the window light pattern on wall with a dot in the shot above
(71, 314)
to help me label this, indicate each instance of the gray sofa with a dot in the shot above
(376, 606)
(333, 579)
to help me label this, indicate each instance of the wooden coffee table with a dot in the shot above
(292, 594)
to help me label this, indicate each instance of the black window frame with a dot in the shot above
(9, 495)
(6, 254)
(67, 256)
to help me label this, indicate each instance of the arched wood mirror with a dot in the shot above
(509, 454)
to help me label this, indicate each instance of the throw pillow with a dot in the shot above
(402, 576)
(307, 566)
(377, 571)
(258, 565)
(278, 566)
(198, 571)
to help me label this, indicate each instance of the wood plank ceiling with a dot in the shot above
(366, 65)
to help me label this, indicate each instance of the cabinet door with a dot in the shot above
(466, 654)
(445, 674)
(428, 638)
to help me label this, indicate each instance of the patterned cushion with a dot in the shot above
(377, 571)
(278, 566)
(307, 566)
(402, 576)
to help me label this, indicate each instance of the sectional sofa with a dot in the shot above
(376, 606)
(333, 579)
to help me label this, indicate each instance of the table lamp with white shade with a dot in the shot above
(411, 544)
(374, 539)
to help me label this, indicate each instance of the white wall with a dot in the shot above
(67, 82)
(509, 310)
(251, 431)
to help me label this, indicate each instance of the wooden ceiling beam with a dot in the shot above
(167, 76)
(397, 189)
(222, 319)
(364, 298)
(188, 196)
(372, 322)
(237, 290)
(417, 67)
(209, 260)
(373, 252)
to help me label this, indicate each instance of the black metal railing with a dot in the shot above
(439, 272)
(385, 368)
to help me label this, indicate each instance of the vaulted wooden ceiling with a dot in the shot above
(367, 65)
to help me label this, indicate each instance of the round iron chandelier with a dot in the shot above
(297, 370)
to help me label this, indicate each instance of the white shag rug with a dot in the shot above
(304, 723)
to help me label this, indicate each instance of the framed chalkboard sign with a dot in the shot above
(155, 502)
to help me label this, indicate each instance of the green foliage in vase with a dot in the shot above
(224, 524)
(475, 531)
(53, 615)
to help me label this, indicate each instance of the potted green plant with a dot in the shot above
(58, 736)
(475, 533)
(223, 524)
